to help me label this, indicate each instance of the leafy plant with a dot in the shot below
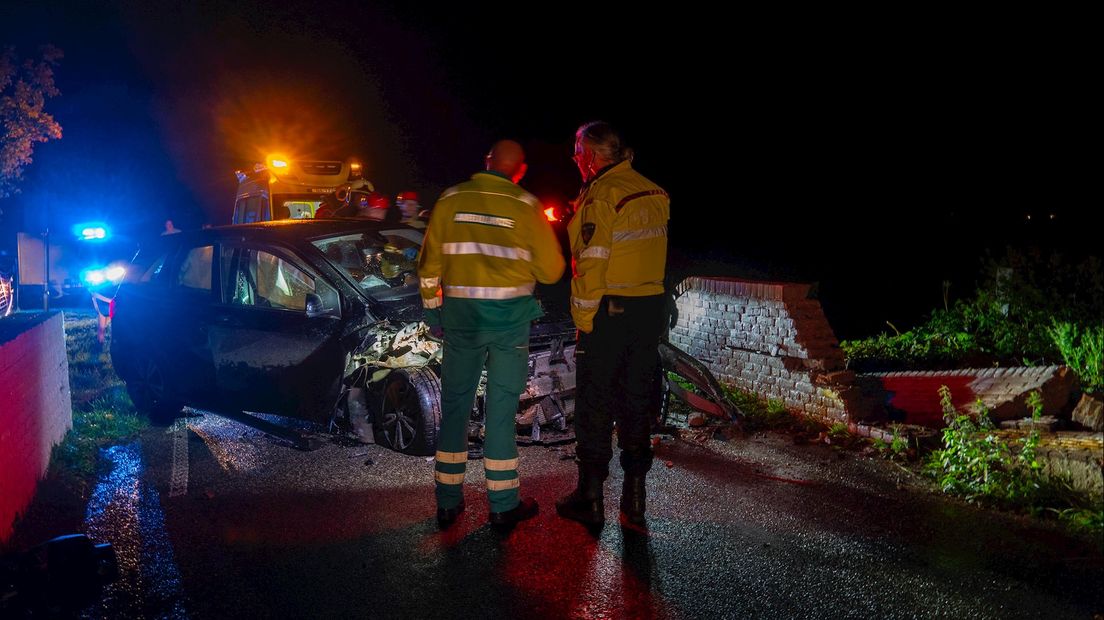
(898, 446)
(1081, 518)
(760, 413)
(25, 85)
(895, 448)
(839, 430)
(1082, 350)
(978, 465)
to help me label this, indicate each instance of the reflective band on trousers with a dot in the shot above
(479, 218)
(503, 485)
(643, 233)
(444, 478)
(430, 282)
(489, 292)
(452, 457)
(500, 465)
(595, 252)
(431, 302)
(486, 249)
(579, 302)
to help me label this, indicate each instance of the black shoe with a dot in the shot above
(505, 521)
(589, 511)
(633, 498)
(584, 504)
(448, 516)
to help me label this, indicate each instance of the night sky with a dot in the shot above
(875, 153)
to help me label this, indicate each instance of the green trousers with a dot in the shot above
(506, 356)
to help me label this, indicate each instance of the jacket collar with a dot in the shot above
(492, 173)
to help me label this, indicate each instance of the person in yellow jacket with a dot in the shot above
(619, 244)
(486, 246)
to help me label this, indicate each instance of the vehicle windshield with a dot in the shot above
(295, 206)
(383, 264)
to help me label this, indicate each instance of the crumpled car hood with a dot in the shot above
(386, 346)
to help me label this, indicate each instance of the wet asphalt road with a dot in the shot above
(212, 519)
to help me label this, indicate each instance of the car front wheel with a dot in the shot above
(409, 412)
(149, 391)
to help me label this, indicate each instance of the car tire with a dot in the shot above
(408, 416)
(149, 390)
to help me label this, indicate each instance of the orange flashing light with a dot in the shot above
(278, 163)
(550, 213)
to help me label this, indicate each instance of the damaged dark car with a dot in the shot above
(314, 319)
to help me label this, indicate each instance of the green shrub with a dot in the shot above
(976, 464)
(1007, 321)
(1082, 350)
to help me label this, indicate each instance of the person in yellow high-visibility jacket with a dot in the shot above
(619, 245)
(486, 246)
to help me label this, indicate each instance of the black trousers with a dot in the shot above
(616, 381)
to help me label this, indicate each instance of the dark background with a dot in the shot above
(877, 153)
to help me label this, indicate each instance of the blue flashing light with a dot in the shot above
(92, 231)
(115, 273)
(93, 277)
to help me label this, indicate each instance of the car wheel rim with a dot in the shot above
(398, 424)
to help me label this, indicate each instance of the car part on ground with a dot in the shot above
(707, 396)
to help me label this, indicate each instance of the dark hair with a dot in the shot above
(605, 140)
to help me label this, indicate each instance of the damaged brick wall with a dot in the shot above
(35, 409)
(771, 339)
(913, 396)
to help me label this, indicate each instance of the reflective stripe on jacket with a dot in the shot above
(618, 240)
(487, 241)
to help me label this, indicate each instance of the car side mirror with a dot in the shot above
(316, 308)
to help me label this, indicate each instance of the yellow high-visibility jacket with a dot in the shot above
(486, 245)
(618, 240)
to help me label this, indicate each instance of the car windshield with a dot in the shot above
(383, 264)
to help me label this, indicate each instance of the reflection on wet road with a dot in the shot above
(756, 527)
(230, 443)
(125, 510)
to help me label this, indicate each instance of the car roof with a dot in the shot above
(290, 230)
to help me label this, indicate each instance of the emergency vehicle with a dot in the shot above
(283, 188)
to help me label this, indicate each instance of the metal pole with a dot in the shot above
(46, 278)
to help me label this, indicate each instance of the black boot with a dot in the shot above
(633, 498)
(584, 504)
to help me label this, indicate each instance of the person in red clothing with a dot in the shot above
(372, 206)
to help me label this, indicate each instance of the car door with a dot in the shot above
(170, 322)
(271, 354)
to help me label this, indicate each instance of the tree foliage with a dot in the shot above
(25, 85)
(1007, 321)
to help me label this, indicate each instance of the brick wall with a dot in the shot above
(913, 397)
(771, 339)
(35, 408)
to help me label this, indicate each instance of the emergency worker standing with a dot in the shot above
(619, 243)
(486, 244)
